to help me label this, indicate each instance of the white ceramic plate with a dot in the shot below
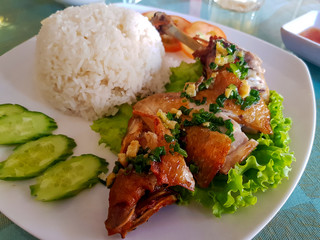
(304, 47)
(83, 216)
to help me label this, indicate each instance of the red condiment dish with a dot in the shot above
(302, 36)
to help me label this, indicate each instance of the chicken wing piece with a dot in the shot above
(255, 118)
(207, 52)
(255, 75)
(214, 152)
(207, 150)
(172, 170)
(133, 199)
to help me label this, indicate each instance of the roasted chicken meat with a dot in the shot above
(184, 139)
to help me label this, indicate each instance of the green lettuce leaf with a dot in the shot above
(186, 72)
(113, 128)
(265, 168)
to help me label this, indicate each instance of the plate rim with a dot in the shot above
(308, 152)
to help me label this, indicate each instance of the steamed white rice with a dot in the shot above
(94, 57)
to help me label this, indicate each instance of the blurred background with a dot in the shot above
(24, 22)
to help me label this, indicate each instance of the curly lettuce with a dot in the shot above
(113, 128)
(265, 168)
(186, 72)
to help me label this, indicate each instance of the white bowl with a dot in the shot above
(303, 47)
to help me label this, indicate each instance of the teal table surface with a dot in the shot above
(299, 218)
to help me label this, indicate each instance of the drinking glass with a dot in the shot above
(239, 5)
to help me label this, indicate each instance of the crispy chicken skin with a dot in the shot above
(133, 199)
(163, 101)
(208, 150)
(256, 71)
(172, 170)
(150, 132)
(256, 117)
(211, 151)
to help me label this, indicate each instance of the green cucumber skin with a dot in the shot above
(87, 183)
(10, 109)
(35, 188)
(50, 123)
(71, 144)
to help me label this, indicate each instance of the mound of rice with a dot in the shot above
(94, 57)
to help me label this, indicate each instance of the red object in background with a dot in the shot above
(312, 33)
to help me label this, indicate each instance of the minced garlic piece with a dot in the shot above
(110, 179)
(167, 123)
(162, 116)
(221, 61)
(221, 49)
(191, 90)
(177, 112)
(244, 89)
(227, 92)
(214, 74)
(229, 89)
(103, 176)
(171, 124)
(206, 124)
(133, 149)
(240, 53)
(123, 159)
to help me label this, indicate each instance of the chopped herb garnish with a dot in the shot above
(234, 69)
(185, 111)
(253, 98)
(157, 153)
(213, 66)
(234, 94)
(197, 102)
(179, 150)
(176, 131)
(231, 49)
(241, 61)
(194, 169)
(174, 145)
(240, 69)
(205, 84)
(229, 126)
(169, 138)
(117, 167)
(170, 116)
(221, 42)
(209, 120)
(213, 107)
(140, 163)
(220, 100)
(183, 94)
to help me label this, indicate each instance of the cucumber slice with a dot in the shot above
(25, 126)
(66, 179)
(9, 109)
(32, 158)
